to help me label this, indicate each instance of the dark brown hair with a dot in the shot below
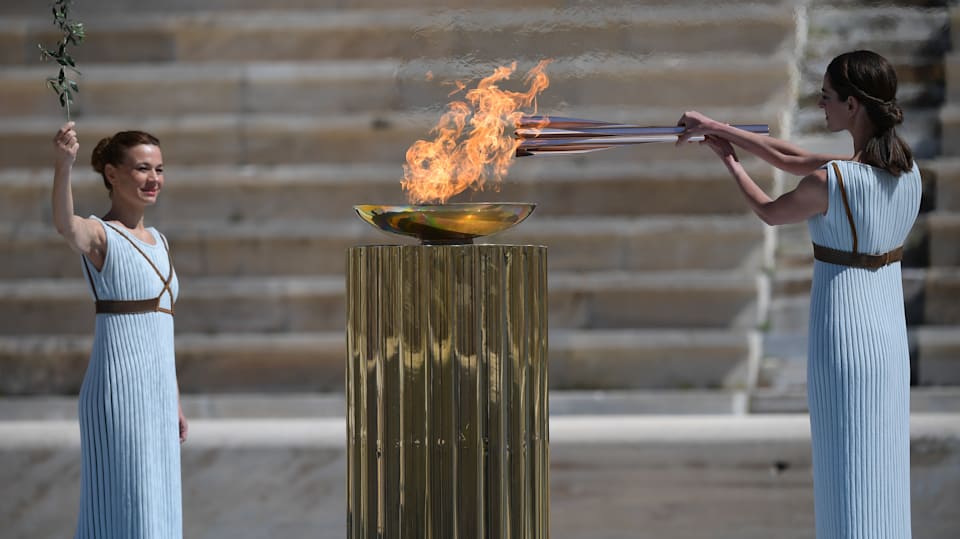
(113, 150)
(872, 80)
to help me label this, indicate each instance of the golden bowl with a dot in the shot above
(443, 224)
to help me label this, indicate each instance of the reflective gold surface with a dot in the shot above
(446, 223)
(447, 428)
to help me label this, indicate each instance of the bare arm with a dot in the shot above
(84, 236)
(779, 153)
(809, 198)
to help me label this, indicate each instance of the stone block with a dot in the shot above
(649, 359)
(140, 39)
(938, 352)
(950, 130)
(327, 193)
(619, 301)
(693, 477)
(184, 141)
(944, 239)
(942, 291)
(13, 46)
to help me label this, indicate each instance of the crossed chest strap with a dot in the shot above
(106, 306)
(855, 258)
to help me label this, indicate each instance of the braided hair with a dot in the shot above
(872, 80)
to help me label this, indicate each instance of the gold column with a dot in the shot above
(447, 433)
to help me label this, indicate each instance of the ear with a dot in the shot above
(110, 172)
(853, 105)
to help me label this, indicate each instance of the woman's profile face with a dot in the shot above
(834, 109)
(139, 178)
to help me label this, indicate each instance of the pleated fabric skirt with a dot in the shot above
(129, 432)
(858, 379)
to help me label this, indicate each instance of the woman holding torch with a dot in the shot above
(859, 210)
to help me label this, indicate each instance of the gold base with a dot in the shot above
(447, 418)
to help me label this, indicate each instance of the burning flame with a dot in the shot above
(474, 139)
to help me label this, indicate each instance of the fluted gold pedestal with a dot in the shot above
(447, 429)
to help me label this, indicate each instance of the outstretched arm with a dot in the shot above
(779, 153)
(83, 235)
(808, 199)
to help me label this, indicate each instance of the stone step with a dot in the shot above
(937, 351)
(328, 192)
(950, 129)
(912, 39)
(676, 476)
(338, 87)
(486, 34)
(942, 291)
(945, 173)
(790, 304)
(894, 29)
(102, 7)
(375, 137)
(944, 238)
(952, 76)
(930, 297)
(314, 362)
(923, 400)
(954, 23)
(920, 129)
(781, 374)
(563, 403)
(598, 300)
(318, 247)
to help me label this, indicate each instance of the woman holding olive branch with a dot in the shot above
(131, 425)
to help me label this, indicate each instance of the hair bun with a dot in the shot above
(894, 112)
(98, 158)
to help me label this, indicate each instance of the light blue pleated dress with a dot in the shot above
(858, 372)
(129, 430)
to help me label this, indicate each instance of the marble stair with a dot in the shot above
(274, 122)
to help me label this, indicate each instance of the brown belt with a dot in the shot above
(131, 307)
(856, 260)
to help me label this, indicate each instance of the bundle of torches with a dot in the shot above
(478, 138)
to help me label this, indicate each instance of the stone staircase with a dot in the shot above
(665, 294)
(274, 122)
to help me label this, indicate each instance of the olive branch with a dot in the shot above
(73, 34)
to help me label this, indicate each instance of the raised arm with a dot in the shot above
(806, 200)
(779, 153)
(84, 236)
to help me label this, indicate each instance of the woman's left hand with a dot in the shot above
(183, 424)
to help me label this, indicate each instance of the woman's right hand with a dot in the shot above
(66, 145)
(696, 124)
(721, 147)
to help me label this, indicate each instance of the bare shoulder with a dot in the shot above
(817, 177)
(88, 237)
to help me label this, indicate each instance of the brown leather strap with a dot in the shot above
(139, 250)
(128, 306)
(846, 205)
(138, 305)
(86, 270)
(856, 260)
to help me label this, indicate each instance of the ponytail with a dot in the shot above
(872, 80)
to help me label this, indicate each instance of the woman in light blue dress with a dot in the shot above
(859, 210)
(131, 424)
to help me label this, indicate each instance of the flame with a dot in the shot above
(473, 141)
